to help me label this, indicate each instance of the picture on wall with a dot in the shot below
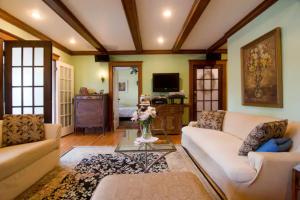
(262, 71)
(123, 86)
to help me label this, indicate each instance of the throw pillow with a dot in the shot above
(284, 147)
(262, 133)
(276, 145)
(270, 146)
(282, 140)
(211, 120)
(20, 129)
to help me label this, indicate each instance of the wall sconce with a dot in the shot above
(102, 76)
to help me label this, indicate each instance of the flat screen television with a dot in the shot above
(165, 82)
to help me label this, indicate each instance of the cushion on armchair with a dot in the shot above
(20, 129)
(262, 133)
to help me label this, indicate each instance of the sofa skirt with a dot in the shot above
(17, 183)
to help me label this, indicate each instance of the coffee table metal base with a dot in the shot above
(146, 165)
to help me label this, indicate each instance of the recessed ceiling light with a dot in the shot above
(167, 13)
(36, 15)
(160, 40)
(72, 41)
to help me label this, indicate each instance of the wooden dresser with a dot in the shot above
(169, 118)
(91, 111)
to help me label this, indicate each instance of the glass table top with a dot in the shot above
(127, 144)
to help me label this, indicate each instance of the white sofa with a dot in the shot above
(258, 176)
(22, 165)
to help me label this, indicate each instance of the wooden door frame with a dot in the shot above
(1, 80)
(47, 71)
(138, 64)
(192, 64)
(7, 36)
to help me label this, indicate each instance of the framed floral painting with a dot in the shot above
(262, 71)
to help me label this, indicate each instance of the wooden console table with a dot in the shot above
(169, 118)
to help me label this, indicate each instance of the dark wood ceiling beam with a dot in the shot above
(243, 22)
(197, 9)
(133, 23)
(22, 25)
(60, 8)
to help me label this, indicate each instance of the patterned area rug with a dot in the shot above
(82, 169)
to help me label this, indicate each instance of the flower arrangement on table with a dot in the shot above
(145, 116)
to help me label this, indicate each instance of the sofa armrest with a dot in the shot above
(193, 123)
(271, 166)
(53, 131)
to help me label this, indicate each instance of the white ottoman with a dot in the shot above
(154, 186)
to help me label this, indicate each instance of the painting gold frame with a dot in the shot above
(262, 83)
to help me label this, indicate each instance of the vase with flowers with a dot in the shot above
(145, 116)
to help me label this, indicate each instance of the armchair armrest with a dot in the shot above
(52, 131)
(193, 123)
(273, 166)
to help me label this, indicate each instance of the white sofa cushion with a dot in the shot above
(15, 158)
(240, 124)
(223, 149)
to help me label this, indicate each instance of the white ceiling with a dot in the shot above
(106, 20)
(218, 17)
(154, 25)
(50, 24)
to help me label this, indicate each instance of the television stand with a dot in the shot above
(169, 118)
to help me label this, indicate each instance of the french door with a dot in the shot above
(64, 97)
(28, 77)
(208, 87)
(115, 98)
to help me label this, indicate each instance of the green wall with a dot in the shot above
(87, 73)
(284, 14)
(129, 98)
(87, 70)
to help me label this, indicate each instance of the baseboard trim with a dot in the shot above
(207, 177)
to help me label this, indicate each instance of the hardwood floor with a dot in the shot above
(98, 139)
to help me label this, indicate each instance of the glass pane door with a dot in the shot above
(208, 89)
(65, 89)
(28, 78)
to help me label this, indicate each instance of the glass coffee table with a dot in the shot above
(127, 147)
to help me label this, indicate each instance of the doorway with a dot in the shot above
(125, 88)
(207, 87)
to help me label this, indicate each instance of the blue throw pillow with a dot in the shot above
(285, 146)
(282, 140)
(269, 146)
